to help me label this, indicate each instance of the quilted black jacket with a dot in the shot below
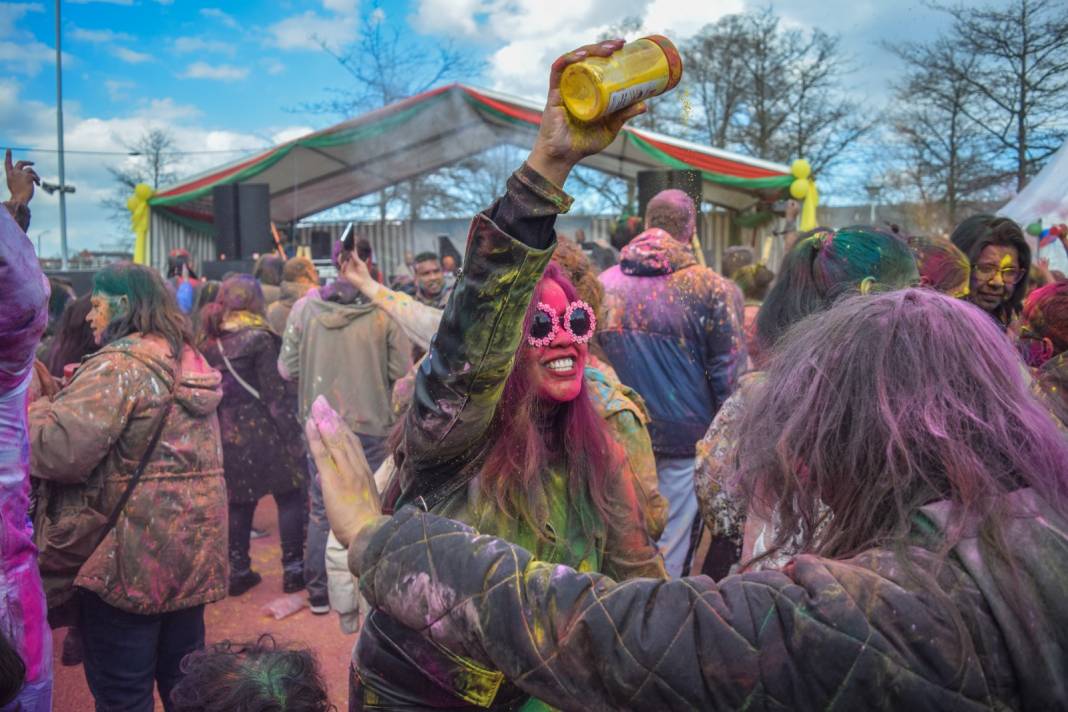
(821, 634)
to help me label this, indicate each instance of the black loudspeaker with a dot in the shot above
(652, 182)
(217, 271)
(242, 220)
(321, 245)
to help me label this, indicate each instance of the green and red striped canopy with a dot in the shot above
(430, 131)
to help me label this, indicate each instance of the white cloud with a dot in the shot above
(31, 123)
(219, 72)
(185, 45)
(25, 57)
(307, 30)
(20, 52)
(130, 56)
(530, 34)
(311, 29)
(98, 36)
(273, 66)
(215, 13)
(341, 7)
(117, 89)
(290, 133)
(12, 12)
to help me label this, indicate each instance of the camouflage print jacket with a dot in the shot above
(821, 634)
(168, 549)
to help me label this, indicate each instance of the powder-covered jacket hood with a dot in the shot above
(655, 252)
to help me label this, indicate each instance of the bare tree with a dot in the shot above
(775, 93)
(387, 66)
(1020, 72)
(154, 155)
(152, 160)
(944, 157)
(714, 82)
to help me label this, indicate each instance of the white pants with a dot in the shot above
(675, 477)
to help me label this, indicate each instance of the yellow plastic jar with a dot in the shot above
(599, 86)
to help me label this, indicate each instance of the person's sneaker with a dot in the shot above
(319, 605)
(243, 582)
(73, 653)
(292, 581)
(255, 533)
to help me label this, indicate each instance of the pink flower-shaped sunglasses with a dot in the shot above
(578, 321)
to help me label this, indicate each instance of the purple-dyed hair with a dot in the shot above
(1044, 333)
(885, 403)
(673, 211)
(239, 292)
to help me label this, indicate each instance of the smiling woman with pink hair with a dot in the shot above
(502, 432)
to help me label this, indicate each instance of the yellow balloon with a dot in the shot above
(799, 189)
(143, 191)
(132, 203)
(800, 169)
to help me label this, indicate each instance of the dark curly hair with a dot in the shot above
(251, 677)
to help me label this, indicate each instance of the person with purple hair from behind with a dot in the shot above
(673, 332)
(936, 583)
(942, 266)
(822, 268)
(263, 447)
(1043, 342)
(23, 614)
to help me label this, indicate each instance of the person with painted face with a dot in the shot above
(502, 432)
(1000, 259)
(430, 280)
(141, 592)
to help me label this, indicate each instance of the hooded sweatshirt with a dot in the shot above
(673, 331)
(168, 549)
(345, 348)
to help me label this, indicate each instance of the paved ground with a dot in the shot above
(241, 619)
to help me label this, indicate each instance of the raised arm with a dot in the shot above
(418, 321)
(819, 635)
(23, 286)
(460, 383)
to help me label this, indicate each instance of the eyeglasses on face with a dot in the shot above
(578, 320)
(1009, 275)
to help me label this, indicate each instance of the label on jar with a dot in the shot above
(634, 94)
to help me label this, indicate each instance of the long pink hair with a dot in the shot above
(530, 435)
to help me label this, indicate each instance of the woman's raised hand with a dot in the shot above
(562, 140)
(349, 491)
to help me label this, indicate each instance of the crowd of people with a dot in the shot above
(500, 477)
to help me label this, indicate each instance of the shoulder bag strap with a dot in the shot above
(145, 457)
(230, 367)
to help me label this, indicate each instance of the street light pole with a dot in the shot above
(59, 139)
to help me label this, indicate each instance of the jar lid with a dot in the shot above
(674, 59)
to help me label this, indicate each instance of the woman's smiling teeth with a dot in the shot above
(561, 364)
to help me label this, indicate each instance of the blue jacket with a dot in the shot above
(673, 331)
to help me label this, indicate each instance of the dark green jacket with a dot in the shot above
(820, 634)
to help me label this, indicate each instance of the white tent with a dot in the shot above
(1045, 198)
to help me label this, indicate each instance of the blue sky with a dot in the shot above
(226, 77)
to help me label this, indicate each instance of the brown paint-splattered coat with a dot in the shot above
(168, 549)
